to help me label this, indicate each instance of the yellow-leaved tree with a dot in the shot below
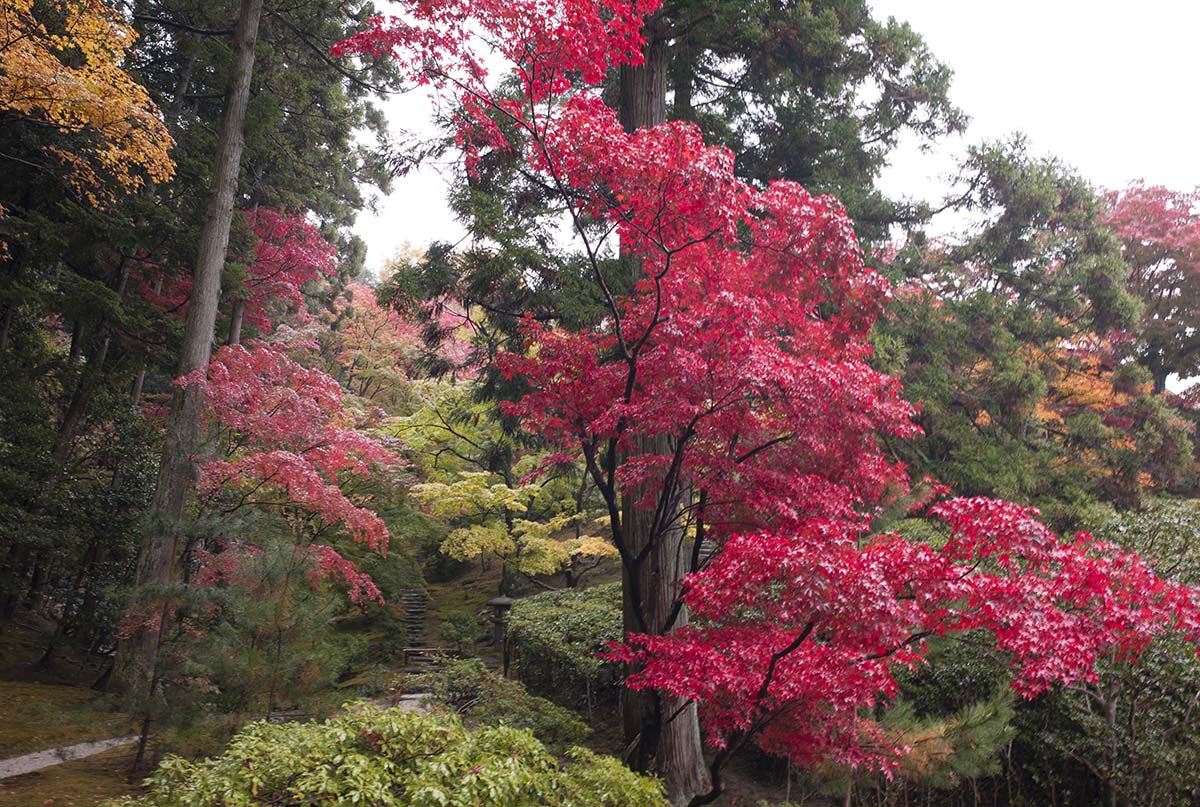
(62, 69)
(482, 510)
(478, 484)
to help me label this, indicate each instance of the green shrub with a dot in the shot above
(488, 698)
(461, 629)
(557, 635)
(1136, 723)
(372, 756)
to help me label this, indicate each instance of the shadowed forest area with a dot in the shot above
(700, 470)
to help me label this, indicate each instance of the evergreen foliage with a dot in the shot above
(490, 699)
(376, 756)
(1010, 339)
(557, 636)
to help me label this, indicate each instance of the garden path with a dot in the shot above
(28, 763)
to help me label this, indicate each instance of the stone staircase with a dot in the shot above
(418, 655)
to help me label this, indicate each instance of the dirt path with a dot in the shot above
(29, 763)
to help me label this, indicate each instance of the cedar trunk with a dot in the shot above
(662, 733)
(235, 322)
(138, 655)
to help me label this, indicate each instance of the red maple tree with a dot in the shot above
(287, 443)
(1159, 230)
(729, 396)
(286, 430)
(288, 253)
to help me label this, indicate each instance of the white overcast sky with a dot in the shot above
(1110, 87)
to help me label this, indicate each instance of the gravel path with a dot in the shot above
(56, 756)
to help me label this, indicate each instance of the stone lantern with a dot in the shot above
(500, 607)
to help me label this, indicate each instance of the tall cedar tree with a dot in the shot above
(157, 561)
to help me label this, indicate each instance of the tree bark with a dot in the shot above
(85, 385)
(6, 321)
(157, 563)
(662, 733)
(139, 383)
(643, 88)
(139, 380)
(235, 322)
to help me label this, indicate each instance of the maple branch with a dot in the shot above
(682, 708)
(668, 496)
(34, 166)
(882, 654)
(605, 485)
(722, 757)
(781, 654)
(749, 454)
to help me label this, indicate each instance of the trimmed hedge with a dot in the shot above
(556, 637)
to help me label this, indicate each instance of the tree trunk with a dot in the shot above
(138, 656)
(85, 385)
(662, 733)
(681, 74)
(1160, 380)
(139, 383)
(643, 88)
(8, 313)
(235, 322)
(1112, 748)
(6, 321)
(70, 612)
(37, 583)
(139, 380)
(76, 343)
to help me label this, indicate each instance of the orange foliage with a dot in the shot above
(1084, 379)
(68, 75)
(374, 350)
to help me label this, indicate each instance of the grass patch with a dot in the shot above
(82, 783)
(34, 717)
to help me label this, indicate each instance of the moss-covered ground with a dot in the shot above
(34, 717)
